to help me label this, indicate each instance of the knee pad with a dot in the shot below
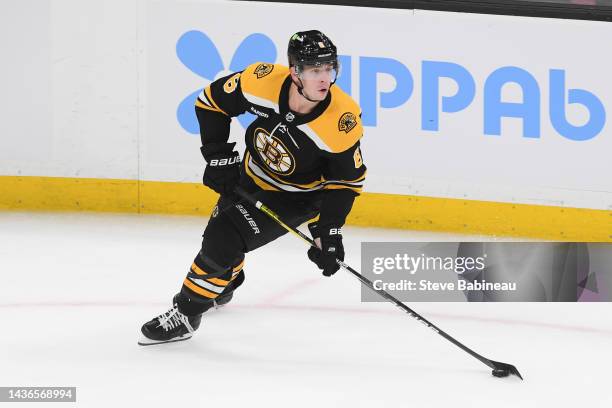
(222, 242)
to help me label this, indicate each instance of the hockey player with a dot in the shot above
(302, 159)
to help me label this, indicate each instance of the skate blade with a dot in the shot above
(144, 341)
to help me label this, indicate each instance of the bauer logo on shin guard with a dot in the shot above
(335, 231)
(248, 217)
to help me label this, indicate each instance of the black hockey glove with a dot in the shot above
(331, 248)
(222, 172)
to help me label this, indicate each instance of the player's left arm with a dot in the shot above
(344, 175)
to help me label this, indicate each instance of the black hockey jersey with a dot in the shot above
(286, 151)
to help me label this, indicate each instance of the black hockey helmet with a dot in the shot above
(311, 48)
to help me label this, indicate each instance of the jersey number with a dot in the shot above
(231, 84)
(357, 158)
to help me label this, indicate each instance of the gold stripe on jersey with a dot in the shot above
(269, 182)
(262, 184)
(210, 99)
(204, 99)
(306, 186)
(199, 104)
(263, 179)
(263, 90)
(357, 180)
(340, 187)
(339, 127)
(355, 185)
(202, 102)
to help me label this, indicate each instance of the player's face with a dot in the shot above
(317, 80)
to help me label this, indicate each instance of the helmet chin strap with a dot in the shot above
(300, 88)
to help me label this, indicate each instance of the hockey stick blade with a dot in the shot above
(504, 369)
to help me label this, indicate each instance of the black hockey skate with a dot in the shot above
(169, 327)
(223, 300)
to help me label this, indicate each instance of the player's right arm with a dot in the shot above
(214, 107)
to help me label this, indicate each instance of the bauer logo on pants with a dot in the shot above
(248, 217)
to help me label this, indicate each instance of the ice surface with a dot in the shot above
(75, 289)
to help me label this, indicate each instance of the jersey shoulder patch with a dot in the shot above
(339, 127)
(261, 83)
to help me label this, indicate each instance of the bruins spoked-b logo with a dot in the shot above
(347, 122)
(273, 153)
(262, 70)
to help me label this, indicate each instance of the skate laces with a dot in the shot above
(174, 318)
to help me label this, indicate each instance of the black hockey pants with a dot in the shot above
(235, 228)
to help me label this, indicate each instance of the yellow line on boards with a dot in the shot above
(68, 194)
(371, 209)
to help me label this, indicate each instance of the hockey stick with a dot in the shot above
(499, 369)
